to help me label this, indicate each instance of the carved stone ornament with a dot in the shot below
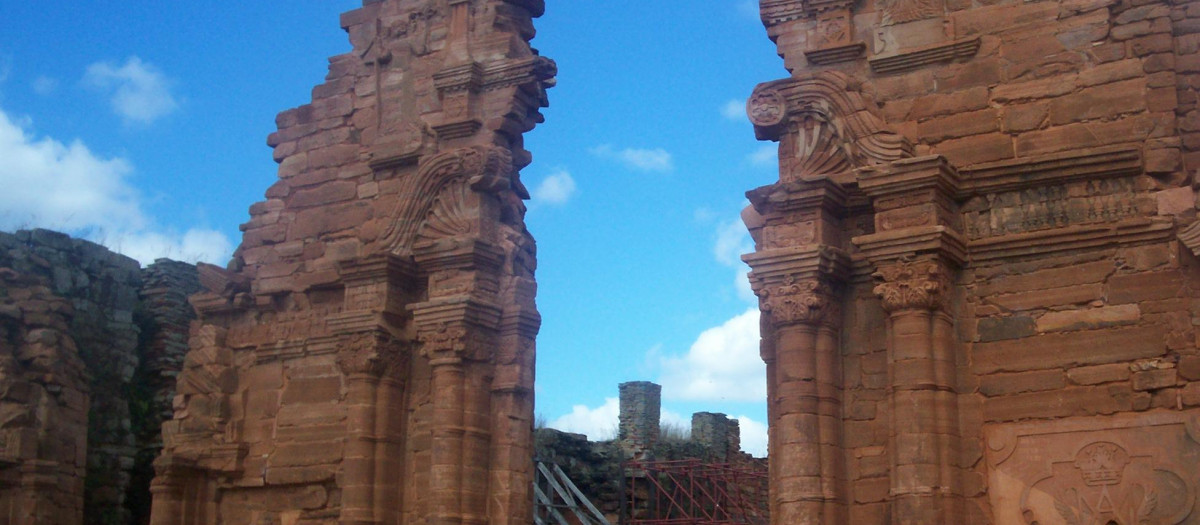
(792, 302)
(912, 285)
(369, 353)
(766, 108)
(1126, 469)
(901, 11)
(454, 342)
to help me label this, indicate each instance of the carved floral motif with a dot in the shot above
(912, 285)
(792, 302)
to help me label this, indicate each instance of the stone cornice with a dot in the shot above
(886, 247)
(910, 175)
(815, 261)
(1056, 168)
(1072, 238)
(786, 197)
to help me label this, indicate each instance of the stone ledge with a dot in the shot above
(1057, 168)
(835, 54)
(1071, 238)
(913, 59)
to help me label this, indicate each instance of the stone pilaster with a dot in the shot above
(916, 251)
(797, 274)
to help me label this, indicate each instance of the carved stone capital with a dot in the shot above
(793, 301)
(454, 342)
(369, 353)
(913, 284)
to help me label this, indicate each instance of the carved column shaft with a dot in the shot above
(925, 486)
(445, 477)
(804, 385)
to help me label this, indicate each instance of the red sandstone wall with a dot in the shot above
(1070, 134)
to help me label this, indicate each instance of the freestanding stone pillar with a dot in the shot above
(367, 357)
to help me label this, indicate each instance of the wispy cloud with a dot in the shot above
(748, 8)
(722, 364)
(555, 189)
(44, 85)
(767, 155)
(69, 188)
(643, 159)
(734, 109)
(138, 91)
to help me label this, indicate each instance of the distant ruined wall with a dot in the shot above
(978, 269)
(43, 406)
(106, 297)
(367, 355)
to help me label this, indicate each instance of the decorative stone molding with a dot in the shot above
(920, 57)
(913, 285)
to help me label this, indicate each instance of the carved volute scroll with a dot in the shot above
(913, 284)
(438, 189)
(825, 125)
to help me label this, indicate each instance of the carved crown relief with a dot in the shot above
(434, 197)
(1096, 471)
(825, 123)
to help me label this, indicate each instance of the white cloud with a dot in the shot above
(733, 240)
(722, 364)
(44, 85)
(140, 93)
(598, 423)
(765, 156)
(754, 436)
(557, 188)
(734, 109)
(67, 187)
(644, 159)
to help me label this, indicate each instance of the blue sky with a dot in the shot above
(144, 127)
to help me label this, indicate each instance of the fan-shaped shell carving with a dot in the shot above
(449, 215)
(489, 166)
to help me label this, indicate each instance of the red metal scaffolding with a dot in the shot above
(691, 492)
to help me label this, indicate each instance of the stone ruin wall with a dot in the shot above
(367, 356)
(977, 273)
(597, 467)
(90, 353)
